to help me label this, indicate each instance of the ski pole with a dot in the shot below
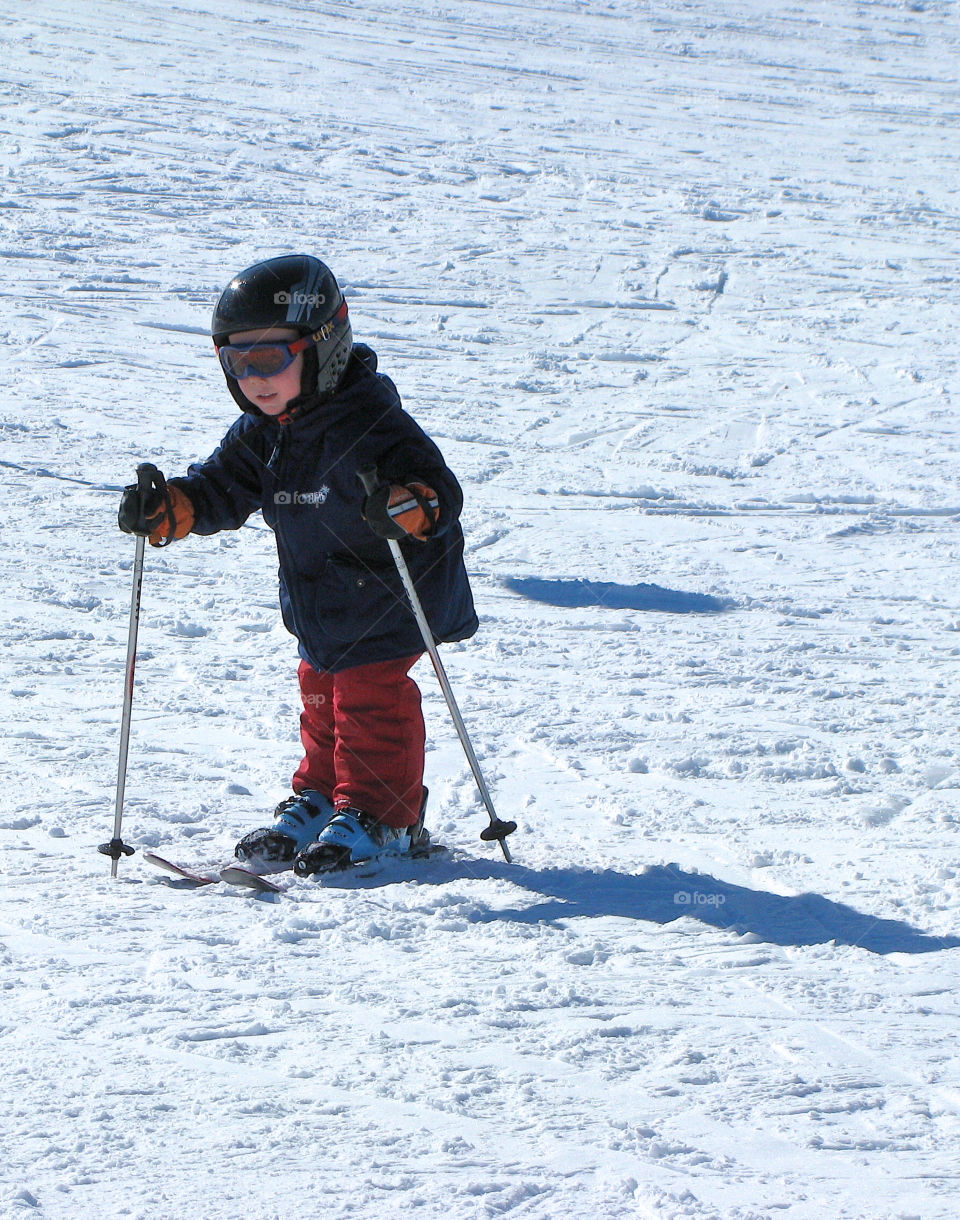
(147, 477)
(498, 830)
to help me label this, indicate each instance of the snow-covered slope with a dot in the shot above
(674, 286)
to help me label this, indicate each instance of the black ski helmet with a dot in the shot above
(296, 291)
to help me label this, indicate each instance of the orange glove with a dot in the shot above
(146, 508)
(397, 511)
(184, 515)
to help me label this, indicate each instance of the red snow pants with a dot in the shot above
(363, 733)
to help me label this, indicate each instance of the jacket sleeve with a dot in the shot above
(408, 456)
(228, 486)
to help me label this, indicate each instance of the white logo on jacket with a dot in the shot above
(302, 497)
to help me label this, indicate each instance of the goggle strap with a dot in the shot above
(325, 331)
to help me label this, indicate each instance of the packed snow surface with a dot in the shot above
(674, 285)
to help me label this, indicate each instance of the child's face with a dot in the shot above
(271, 395)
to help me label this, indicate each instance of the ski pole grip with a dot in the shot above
(149, 478)
(369, 478)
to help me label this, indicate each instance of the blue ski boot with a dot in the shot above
(352, 837)
(298, 821)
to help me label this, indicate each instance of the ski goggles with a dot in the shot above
(267, 359)
(240, 360)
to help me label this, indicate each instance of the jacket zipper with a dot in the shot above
(277, 464)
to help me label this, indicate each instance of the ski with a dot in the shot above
(243, 874)
(233, 873)
(178, 870)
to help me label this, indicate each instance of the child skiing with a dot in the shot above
(315, 413)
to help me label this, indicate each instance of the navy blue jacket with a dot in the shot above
(340, 593)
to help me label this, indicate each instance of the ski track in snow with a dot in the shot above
(674, 287)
